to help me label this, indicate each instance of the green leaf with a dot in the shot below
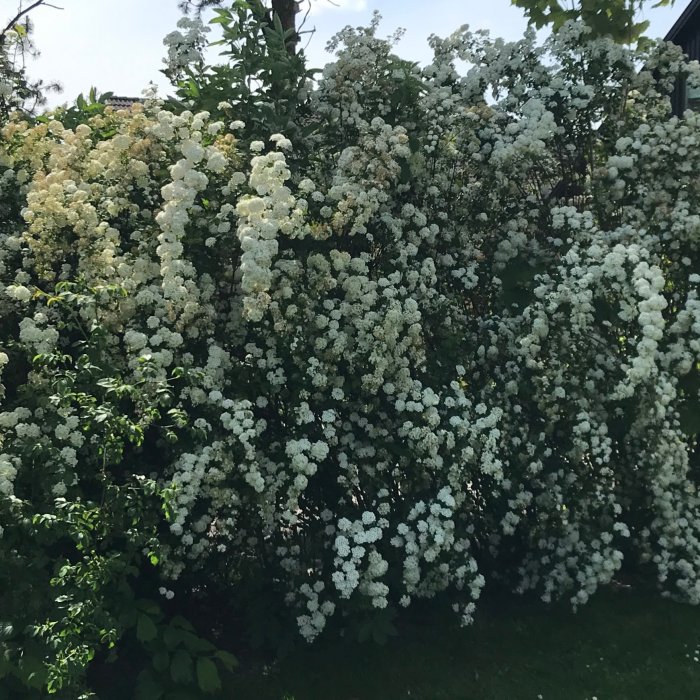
(207, 675)
(689, 418)
(364, 632)
(181, 666)
(161, 661)
(148, 606)
(146, 629)
(147, 687)
(181, 623)
(33, 672)
(227, 660)
(129, 618)
(197, 644)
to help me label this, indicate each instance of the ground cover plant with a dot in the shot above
(315, 351)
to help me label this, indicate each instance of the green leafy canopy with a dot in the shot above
(614, 18)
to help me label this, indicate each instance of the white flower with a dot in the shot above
(19, 292)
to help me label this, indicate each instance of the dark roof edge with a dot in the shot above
(125, 98)
(679, 26)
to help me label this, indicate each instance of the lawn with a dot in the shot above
(624, 645)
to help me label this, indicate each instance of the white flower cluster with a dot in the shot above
(261, 219)
(440, 339)
(8, 472)
(185, 45)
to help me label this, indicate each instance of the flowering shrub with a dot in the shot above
(450, 335)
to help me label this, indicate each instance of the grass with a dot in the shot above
(624, 645)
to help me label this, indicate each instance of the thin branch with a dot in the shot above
(21, 13)
(306, 16)
(301, 29)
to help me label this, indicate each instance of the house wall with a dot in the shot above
(686, 34)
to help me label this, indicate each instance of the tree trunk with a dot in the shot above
(287, 11)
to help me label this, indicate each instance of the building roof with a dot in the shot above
(123, 102)
(692, 12)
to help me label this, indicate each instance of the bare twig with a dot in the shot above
(22, 12)
(301, 29)
(306, 16)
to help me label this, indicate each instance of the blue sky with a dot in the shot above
(116, 45)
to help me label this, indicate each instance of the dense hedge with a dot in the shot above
(441, 329)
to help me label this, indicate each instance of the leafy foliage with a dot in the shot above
(614, 18)
(259, 79)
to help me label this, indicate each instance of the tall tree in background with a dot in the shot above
(285, 10)
(17, 90)
(260, 74)
(614, 18)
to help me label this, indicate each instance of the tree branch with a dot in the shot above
(21, 13)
